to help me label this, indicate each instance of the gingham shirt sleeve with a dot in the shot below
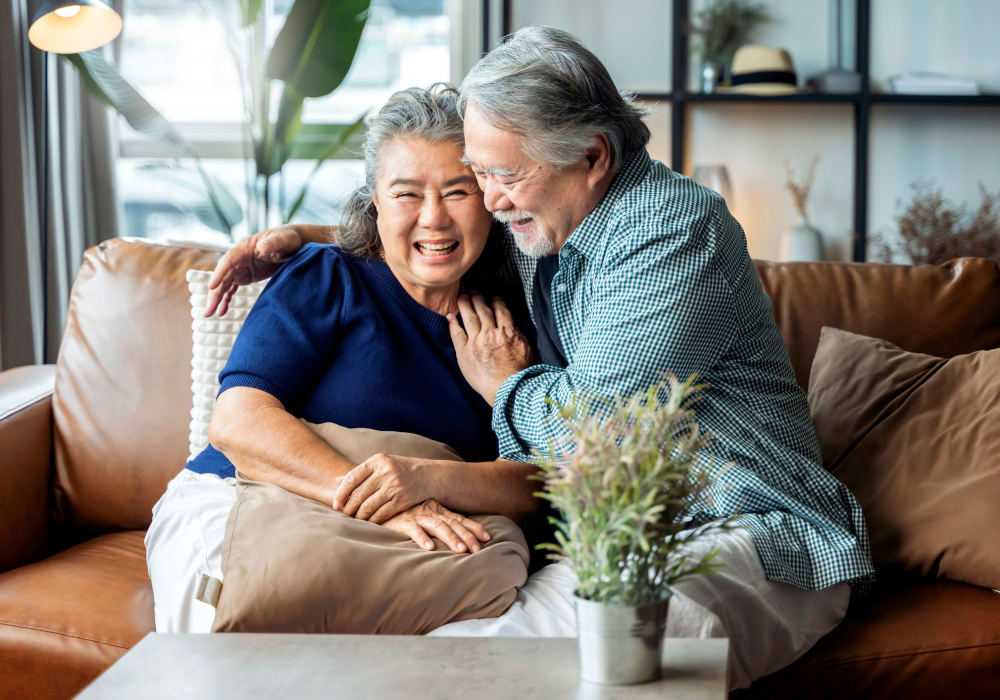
(659, 280)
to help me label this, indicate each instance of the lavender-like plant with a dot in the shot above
(626, 483)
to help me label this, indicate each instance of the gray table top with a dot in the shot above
(249, 666)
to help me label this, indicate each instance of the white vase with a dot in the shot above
(802, 243)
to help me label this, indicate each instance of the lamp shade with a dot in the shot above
(72, 26)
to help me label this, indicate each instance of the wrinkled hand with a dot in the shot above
(383, 486)
(490, 348)
(250, 260)
(431, 519)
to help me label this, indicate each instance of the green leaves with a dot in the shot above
(249, 11)
(344, 135)
(107, 84)
(626, 483)
(314, 50)
(311, 56)
(187, 189)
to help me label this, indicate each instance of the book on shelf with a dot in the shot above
(932, 84)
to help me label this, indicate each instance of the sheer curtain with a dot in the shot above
(82, 206)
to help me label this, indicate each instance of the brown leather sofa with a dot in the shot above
(87, 447)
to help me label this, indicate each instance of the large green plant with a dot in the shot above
(310, 58)
(626, 484)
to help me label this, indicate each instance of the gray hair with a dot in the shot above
(548, 88)
(431, 114)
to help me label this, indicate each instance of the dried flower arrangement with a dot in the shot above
(933, 230)
(800, 189)
(722, 27)
(626, 487)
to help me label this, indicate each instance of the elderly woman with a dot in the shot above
(358, 334)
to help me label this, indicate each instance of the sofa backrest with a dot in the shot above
(942, 310)
(122, 397)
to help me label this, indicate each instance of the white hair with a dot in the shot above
(545, 86)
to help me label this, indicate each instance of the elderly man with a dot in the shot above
(631, 270)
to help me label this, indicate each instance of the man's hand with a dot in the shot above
(250, 260)
(490, 348)
(430, 518)
(383, 486)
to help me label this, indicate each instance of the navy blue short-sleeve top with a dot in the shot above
(335, 338)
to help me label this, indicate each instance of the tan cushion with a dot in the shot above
(957, 305)
(291, 564)
(917, 439)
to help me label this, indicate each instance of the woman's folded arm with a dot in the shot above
(267, 443)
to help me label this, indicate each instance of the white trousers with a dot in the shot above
(769, 625)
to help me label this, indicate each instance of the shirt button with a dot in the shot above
(560, 287)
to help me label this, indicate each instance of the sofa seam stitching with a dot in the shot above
(119, 645)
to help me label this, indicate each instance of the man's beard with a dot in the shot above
(533, 243)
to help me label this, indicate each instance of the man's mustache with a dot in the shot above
(507, 215)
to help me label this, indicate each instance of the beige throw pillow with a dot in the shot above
(291, 564)
(917, 439)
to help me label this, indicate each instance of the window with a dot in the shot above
(175, 53)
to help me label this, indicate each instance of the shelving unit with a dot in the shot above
(862, 102)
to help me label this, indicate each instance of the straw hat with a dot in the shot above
(762, 70)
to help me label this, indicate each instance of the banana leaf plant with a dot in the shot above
(310, 57)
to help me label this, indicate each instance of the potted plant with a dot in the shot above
(626, 483)
(934, 229)
(719, 29)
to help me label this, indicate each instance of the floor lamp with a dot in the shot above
(61, 26)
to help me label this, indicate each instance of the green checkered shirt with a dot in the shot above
(658, 278)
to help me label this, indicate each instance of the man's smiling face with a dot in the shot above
(540, 203)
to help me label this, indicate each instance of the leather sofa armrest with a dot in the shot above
(25, 463)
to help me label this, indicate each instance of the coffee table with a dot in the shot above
(249, 666)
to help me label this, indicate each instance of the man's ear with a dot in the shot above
(598, 159)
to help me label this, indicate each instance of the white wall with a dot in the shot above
(956, 146)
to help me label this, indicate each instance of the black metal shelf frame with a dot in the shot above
(862, 101)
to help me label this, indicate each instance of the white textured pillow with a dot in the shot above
(213, 340)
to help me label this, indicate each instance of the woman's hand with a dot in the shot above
(431, 519)
(250, 260)
(490, 348)
(383, 486)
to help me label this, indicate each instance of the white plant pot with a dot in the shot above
(620, 644)
(803, 243)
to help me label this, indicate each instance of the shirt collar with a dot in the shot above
(588, 238)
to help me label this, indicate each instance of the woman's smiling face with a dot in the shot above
(431, 219)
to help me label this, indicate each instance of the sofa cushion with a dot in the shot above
(916, 438)
(123, 391)
(930, 639)
(65, 619)
(895, 302)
